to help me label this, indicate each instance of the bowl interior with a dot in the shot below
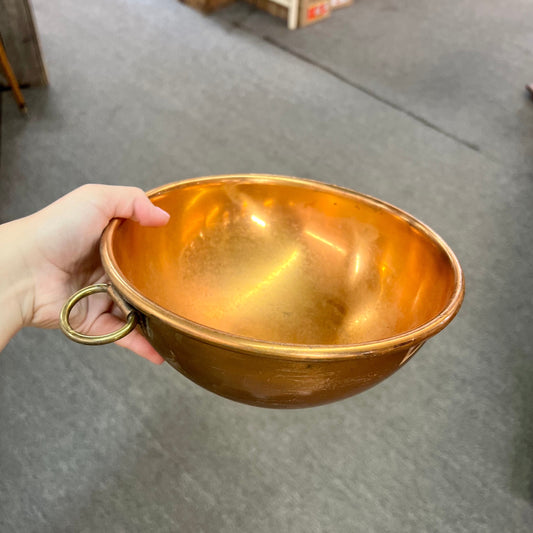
(287, 262)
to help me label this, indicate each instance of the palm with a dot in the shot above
(68, 259)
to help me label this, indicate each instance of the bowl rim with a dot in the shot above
(265, 348)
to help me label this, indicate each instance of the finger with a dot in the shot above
(134, 341)
(147, 214)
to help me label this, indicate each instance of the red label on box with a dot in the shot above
(317, 11)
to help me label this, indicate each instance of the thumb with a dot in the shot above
(126, 202)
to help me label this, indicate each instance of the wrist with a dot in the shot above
(16, 283)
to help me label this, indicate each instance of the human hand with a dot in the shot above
(52, 253)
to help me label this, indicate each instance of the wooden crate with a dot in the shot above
(207, 6)
(337, 4)
(310, 11)
(270, 7)
(21, 42)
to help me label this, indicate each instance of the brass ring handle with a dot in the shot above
(76, 336)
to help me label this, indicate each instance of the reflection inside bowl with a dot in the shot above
(287, 263)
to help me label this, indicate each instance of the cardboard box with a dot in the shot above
(312, 11)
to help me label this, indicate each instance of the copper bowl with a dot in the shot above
(277, 291)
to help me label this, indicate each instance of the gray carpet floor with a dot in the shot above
(421, 104)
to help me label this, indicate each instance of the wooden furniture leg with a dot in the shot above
(11, 79)
(293, 14)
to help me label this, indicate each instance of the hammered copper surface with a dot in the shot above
(283, 292)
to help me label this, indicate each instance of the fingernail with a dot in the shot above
(163, 211)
